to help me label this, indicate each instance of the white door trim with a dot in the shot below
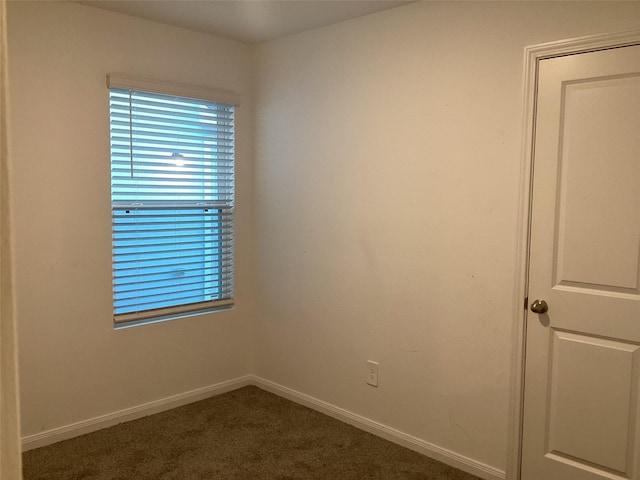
(533, 55)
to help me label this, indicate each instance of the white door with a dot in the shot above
(582, 364)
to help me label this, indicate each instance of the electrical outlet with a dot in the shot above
(372, 373)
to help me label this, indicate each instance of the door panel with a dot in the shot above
(582, 367)
(598, 196)
(592, 399)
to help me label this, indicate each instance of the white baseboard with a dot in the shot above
(425, 448)
(104, 421)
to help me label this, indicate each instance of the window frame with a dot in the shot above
(213, 212)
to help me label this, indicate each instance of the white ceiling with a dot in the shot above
(250, 21)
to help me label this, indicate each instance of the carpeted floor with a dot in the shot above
(244, 434)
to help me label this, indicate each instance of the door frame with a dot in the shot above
(532, 57)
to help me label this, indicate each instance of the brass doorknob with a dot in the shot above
(539, 306)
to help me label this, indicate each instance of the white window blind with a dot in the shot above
(172, 200)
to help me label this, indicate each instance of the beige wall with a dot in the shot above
(73, 365)
(387, 183)
(10, 460)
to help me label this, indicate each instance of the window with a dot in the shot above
(172, 202)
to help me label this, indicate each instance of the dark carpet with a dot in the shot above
(244, 434)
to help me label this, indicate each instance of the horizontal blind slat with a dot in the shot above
(129, 269)
(154, 314)
(132, 281)
(168, 102)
